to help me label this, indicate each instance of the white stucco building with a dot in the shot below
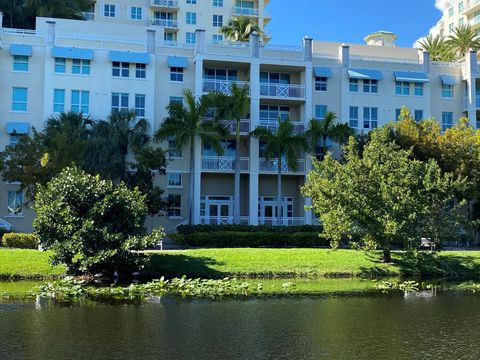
(457, 13)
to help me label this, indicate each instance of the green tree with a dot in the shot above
(239, 28)
(284, 146)
(462, 40)
(437, 47)
(90, 224)
(188, 122)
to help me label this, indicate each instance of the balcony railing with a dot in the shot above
(164, 3)
(232, 125)
(241, 11)
(272, 125)
(223, 86)
(282, 91)
(221, 220)
(224, 164)
(271, 166)
(166, 23)
(88, 15)
(284, 221)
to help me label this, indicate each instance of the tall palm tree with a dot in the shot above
(437, 47)
(235, 106)
(239, 28)
(463, 39)
(279, 144)
(319, 131)
(187, 122)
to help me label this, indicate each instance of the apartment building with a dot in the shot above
(457, 13)
(64, 65)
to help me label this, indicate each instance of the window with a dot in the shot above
(447, 91)
(353, 85)
(354, 116)
(136, 13)
(80, 101)
(19, 99)
(120, 69)
(418, 89)
(60, 65)
(140, 105)
(447, 120)
(193, 2)
(370, 118)
(173, 152)
(174, 180)
(176, 99)
(140, 71)
(176, 74)
(450, 28)
(370, 86)
(13, 141)
(109, 10)
(418, 115)
(460, 22)
(58, 100)
(217, 38)
(15, 202)
(321, 83)
(119, 101)
(174, 205)
(402, 88)
(20, 63)
(320, 111)
(460, 7)
(217, 20)
(190, 38)
(450, 12)
(168, 37)
(81, 67)
(218, 3)
(397, 114)
(191, 18)
(274, 112)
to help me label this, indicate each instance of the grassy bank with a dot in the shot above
(27, 264)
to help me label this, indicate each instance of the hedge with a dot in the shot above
(226, 239)
(20, 241)
(194, 229)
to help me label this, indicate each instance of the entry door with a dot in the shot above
(219, 214)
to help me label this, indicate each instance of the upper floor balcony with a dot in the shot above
(224, 164)
(271, 166)
(471, 6)
(164, 4)
(222, 86)
(231, 125)
(244, 11)
(282, 91)
(165, 23)
(272, 125)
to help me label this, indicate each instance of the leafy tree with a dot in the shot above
(90, 224)
(462, 40)
(188, 122)
(437, 47)
(239, 28)
(381, 198)
(282, 145)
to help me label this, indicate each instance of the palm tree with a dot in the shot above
(281, 143)
(321, 130)
(239, 28)
(235, 106)
(437, 47)
(463, 39)
(187, 122)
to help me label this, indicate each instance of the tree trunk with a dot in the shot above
(387, 256)
(279, 191)
(236, 196)
(192, 180)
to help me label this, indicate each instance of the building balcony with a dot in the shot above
(282, 91)
(284, 221)
(232, 125)
(242, 11)
(165, 23)
(271, 167)
(164, 4)
(222, 220)
(272, 125)
(88, 15)
(224, 164)
(471, 7)
(222, 86)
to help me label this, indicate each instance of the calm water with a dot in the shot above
(374, 326)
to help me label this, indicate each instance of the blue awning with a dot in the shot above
(365, 74)
(448, 80)
(21, 50)
(72, 53)
(177, 61)
(411, 76)
(129, 57)
(321, 71)
(19, 128)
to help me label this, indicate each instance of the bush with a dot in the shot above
(194, 229)
(226, 239)
(20, 241)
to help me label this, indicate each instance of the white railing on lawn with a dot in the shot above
(223, 86)
(284, 221)
(282, 91)
(167, 23)
(272, 125)
(224, 163)
(271, 166)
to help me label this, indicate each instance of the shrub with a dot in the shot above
(193, 229)
(20, 241)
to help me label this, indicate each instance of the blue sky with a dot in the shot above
(350, 20)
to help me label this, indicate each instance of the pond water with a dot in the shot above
(350, 325)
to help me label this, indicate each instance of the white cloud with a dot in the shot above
(441, 4)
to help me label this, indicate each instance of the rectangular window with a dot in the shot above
(176, 99)
(402, 88)
(320, 111)
(176, 74)
(140, 71)
(19, 99)
(447, 120)
(418, 89)
(136, 13)
(190, 38)
(321, 83)
(354, 116)
(174, 205)
(80, 101)
(460, 7)
(418, 115)
(119, 101)
(20, 63)
(173, 152)
(193, 2)
(140, 105)
(109, 10)
(81, 67)
(120, 69)
(174, 179)
(397, 114)
(217, 38)
(13, 141)
(450, 12)
(353, 85)
(191, 18)
(370, 86)
(217, 20)
(58, 100)
(15, 202)
(370, 118)
(218, 3)
(60, 65)
(447, 91)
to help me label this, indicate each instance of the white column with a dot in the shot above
(308, 116)
(197, 166)
(254, 142)
(471, 76)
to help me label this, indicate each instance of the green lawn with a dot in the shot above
(26, 264)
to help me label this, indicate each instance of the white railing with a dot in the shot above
(272, 125)
(99, 38)
(242, 11)
(165, 3)
(284, 221)
(289, 48)
(471, 4)
(282, 91)
(232, 126)
(223, 86)
(167, 23)
(88, 15)
(224, 163)
(271, 166)
(222, 220)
